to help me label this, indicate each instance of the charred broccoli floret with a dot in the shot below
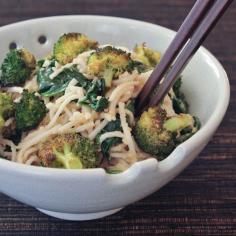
(17, 67)
(70, 45)
(29, 111)
(70, 151)
(146, 55)
(7, 108)
(108, 62)
(87, 150)
(158, 135)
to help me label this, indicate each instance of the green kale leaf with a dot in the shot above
(94, 96)
(180, 104)
(109, 142)
(50, 87)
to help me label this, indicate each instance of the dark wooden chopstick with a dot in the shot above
(198, 32)
(192, 46)
(199, 9)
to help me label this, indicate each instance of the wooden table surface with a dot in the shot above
(201, 200)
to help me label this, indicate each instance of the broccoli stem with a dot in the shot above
(108, 76)
(68, 159)
(179, 122)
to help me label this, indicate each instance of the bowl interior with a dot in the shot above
(200, 77)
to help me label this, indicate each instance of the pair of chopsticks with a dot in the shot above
(195, 28)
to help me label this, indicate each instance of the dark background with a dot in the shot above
(200, 201)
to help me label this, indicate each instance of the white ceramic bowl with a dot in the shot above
(90, 194)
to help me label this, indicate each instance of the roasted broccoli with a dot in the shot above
(146, 55)
(70, 151)
(108, 62)
(7, 108)
(17, 67)
(29, 111)
(158, 135)
(70, 45)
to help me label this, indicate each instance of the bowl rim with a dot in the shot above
(211, 124)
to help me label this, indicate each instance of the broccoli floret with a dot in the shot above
(146, 55)
(17, 67)
(70, 151)
(29, 111)
(108, 62)
(70, 45)
(87, 150)
(7, 108)
(158, 135)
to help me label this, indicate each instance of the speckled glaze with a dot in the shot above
(90, 194)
